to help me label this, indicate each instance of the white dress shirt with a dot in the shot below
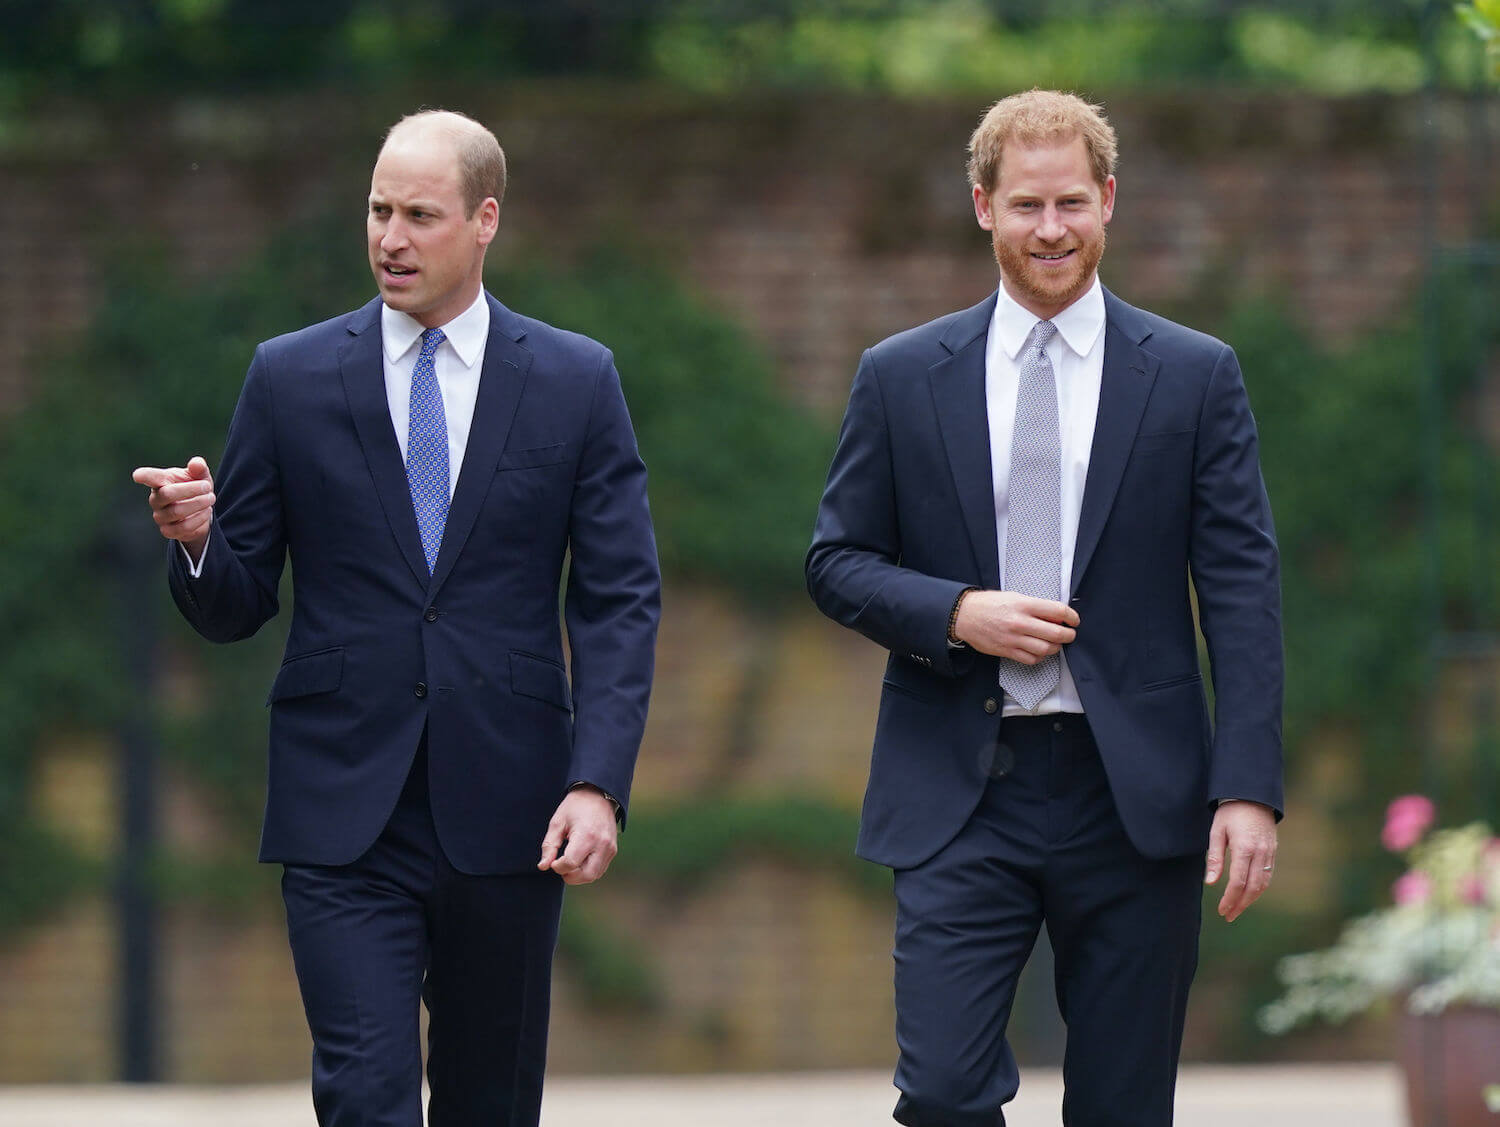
(457, 364)
(1077, 356)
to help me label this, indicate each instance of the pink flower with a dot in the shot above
(1406, 820)
(1412, 888)
(1471, 889)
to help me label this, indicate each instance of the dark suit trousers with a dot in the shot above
(400, 926)
(1045, 844)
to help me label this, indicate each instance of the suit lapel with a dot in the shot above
(958, 395)
(1129, 374)
(502, 378)
(363, 370)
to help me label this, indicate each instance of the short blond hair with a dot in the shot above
(1036, 117)
(481, 160)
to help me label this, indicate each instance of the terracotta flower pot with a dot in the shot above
(1448, 1058)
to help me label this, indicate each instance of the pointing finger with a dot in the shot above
(183, 491)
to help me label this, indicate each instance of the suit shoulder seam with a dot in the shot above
(879, 391)
(265, 361)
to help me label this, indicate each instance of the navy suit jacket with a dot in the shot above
(1173, 494)
(379, 650)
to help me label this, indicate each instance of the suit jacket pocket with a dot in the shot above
(543, 680)
(533, 456)
(1162, 440)
(919, 687)
(321, 671)
(1172, 682)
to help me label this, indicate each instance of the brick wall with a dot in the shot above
(821, 225)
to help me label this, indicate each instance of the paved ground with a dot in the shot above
(1286, 1096)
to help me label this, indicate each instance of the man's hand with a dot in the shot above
(1247, 831)
(584, 830)
(182, 502)
(1018, 627)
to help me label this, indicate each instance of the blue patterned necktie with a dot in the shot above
(427, 449)
(1033, 523)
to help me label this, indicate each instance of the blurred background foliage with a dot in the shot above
(1482, 17)
(1349, 499)
(1347, 467)
(909, 47)
(1350, 475)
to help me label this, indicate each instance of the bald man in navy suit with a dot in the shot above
(437, 773)
(1021, 495)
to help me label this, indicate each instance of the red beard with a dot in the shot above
(1051, 288)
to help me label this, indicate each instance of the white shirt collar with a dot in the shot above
(466, 333)
(1079, 324)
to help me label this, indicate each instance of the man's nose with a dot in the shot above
(394, 237)
(1051, 227)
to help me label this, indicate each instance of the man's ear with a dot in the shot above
(984, 215)
(489, 220)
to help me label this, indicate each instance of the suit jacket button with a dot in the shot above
(431, 615)
(991, 705)
(421, 689)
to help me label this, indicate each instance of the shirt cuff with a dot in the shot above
(194, 569)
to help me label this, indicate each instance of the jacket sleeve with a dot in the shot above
(1236, 575)
(236, 594)
(613, 598)
(854, 569)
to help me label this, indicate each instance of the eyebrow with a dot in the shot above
(409, 205)
(1067, 193)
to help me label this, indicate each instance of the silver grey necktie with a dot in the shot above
(1033, 536)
